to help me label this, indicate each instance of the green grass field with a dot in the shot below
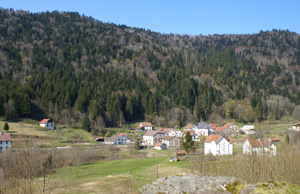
(113, 176)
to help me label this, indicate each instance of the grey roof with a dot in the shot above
(114, 138)
(203, 125)
(152, 133)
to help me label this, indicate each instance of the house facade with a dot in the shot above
(203, 129)
(47, 123)
(5, 141)
(247, 127)
(171, 141)
(259, 147)
(153, 137)
(218, 145)
(144, 127)
(118, 140)
(296, 127)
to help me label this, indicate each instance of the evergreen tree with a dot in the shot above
(86, 124)
(6, 127)
(188, 143)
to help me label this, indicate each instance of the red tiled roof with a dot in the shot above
(214, 125)
(215, 138)
(275, 139)
(44, 121)
(188, 126)
(100, 137)
(143, 125)
(123, 134)
(168, 138)
(152, 133)
(166, 129)
(159, 144)
(5, 137)
(146, 124)
(259, 143)
(180, 151)
(219, 129)
(230, 140)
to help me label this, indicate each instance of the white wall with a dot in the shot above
(5, 145)
(222, 147)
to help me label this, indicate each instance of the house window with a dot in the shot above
(0, 142)
(6, 142)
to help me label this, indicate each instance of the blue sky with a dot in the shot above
(180, 16)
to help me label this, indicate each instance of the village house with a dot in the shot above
(218, 145)
(118, 140)
(171, 141)
(259, 147)
(214, 126)
(171, 133)
(166, 130)
(47, 123)
(5, 141)
(179, 154)
(100, 139)
(296, 127)
(203, 129)
(247, 127)
(160, 146)
(189, 127)
(144, 127)
(153, 137)
(229, 129)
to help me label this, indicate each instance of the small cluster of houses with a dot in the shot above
(216, 142)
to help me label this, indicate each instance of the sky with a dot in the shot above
(191, 17)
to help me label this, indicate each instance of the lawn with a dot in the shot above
(113, 176)
(28, 133)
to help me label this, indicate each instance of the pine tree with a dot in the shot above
(86, 124)
(6, 127)
(188, 143)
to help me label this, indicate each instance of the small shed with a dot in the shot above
(100, 139)
(180, 154)
(160, 146)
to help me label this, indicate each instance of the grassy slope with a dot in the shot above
(28, 133)
(113, 176)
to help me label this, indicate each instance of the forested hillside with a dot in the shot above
(70, 67)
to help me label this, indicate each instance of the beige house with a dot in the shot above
(153, 137)
(171, 141)
(144, 126)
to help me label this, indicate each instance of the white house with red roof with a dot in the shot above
(117, 140)
(189, 127)
(47, 123)
(5, 141)
(218, 145)
(260, 147)
(144, 126)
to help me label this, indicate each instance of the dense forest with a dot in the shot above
(73, 68)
